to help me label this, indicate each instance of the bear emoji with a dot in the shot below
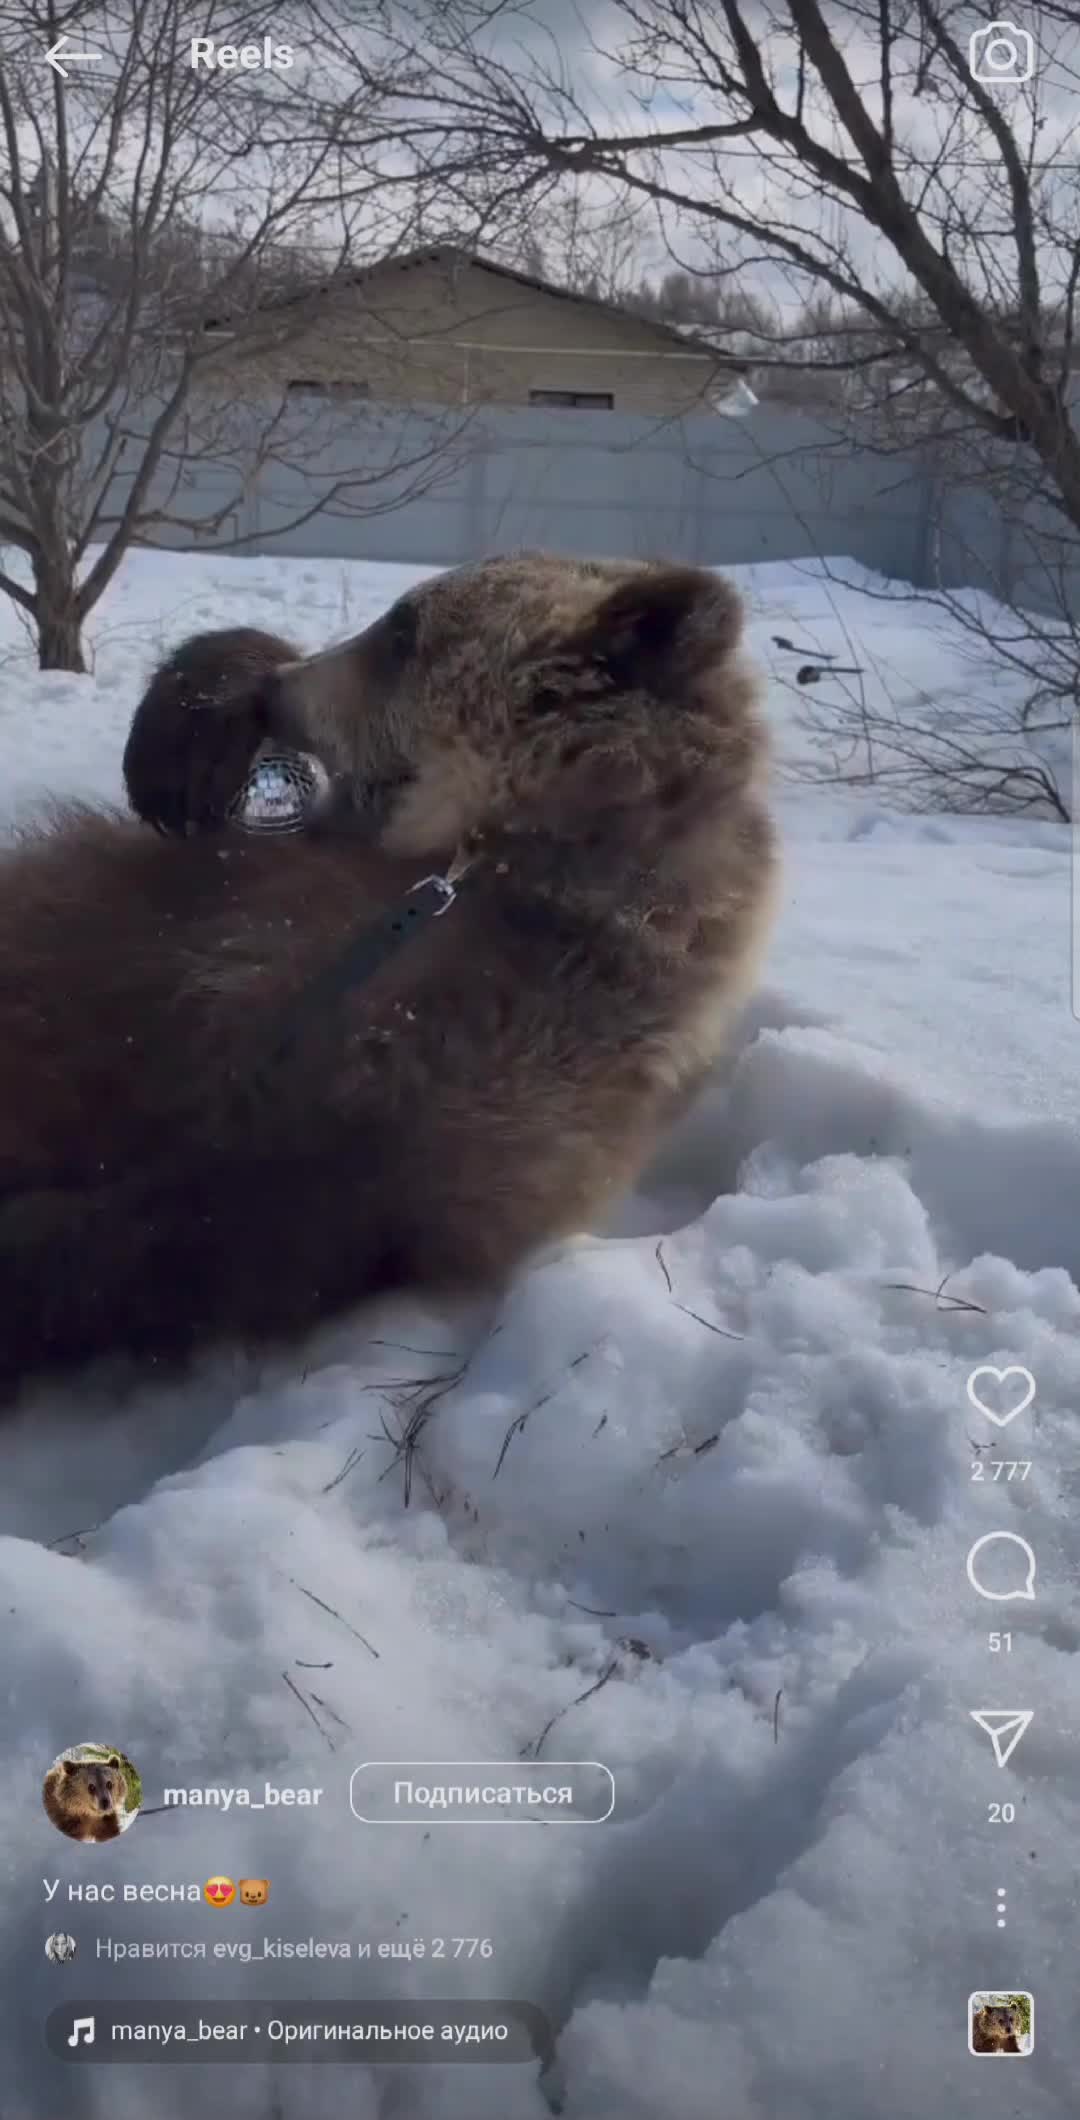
(86, 1798)
(582, 739)
(254, 1891)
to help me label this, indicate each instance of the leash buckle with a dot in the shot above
(447, 885)
(445, 888)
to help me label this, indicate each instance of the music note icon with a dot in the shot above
(82, 2025)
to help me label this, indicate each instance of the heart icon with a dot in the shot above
(1001, 1376)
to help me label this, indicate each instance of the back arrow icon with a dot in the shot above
(56, 52)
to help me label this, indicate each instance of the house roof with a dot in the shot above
(449, 254)
(456, 259)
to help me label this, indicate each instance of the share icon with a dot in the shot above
(1004, 1727)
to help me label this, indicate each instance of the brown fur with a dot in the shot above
(588, 731)
(84, 1798)
(210, 672)
(994, 2029)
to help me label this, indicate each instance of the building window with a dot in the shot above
(581, 400)
(307, 387)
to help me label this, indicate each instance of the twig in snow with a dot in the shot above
(938, 1296)
(812, 673)
(405, 1445)
(353, 1459)
(519, 1420)
(776, 1717)
(438, 1354)
(724, 1332)
(635, 1647)
(68, 1536)
(610, 1670)
(819, 654)
(309, 1710)
(686, 1449)
(334, 1614)
(328, 1710)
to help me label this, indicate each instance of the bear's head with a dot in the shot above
(997, 2026)
(93, 1785)
(532, 693)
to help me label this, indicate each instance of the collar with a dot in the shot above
(368, 950)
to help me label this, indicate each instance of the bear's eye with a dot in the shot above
(547, 699)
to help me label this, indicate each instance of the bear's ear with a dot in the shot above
(72, 1766)
(114, 1760)
(662, 626)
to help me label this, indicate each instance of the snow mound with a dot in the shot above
(695, 1504)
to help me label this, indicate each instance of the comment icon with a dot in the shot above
(1015, 1567)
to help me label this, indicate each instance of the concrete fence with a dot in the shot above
(1017, 547)
(441, 487)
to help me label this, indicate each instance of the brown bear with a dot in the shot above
(995, 2029)
(212, 1129)
(85, 1798)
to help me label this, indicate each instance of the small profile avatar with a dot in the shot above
(92, 1792)
(1001, 2024)
(60, 1949)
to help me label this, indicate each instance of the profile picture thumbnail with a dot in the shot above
(92, 1792)
(1001, 2024)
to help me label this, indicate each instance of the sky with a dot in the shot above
(589, 55)
(589, 51)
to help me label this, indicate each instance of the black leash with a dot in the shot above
(364, 955)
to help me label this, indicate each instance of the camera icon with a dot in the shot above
(1001, 52)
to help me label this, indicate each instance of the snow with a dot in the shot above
(697, 1505)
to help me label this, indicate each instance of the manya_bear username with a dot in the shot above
(174, 1174)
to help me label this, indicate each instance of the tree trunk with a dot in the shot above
(59, 628)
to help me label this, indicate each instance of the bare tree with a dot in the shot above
(992, 739)
(143, 200)
(902, 199)
(816, 138)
